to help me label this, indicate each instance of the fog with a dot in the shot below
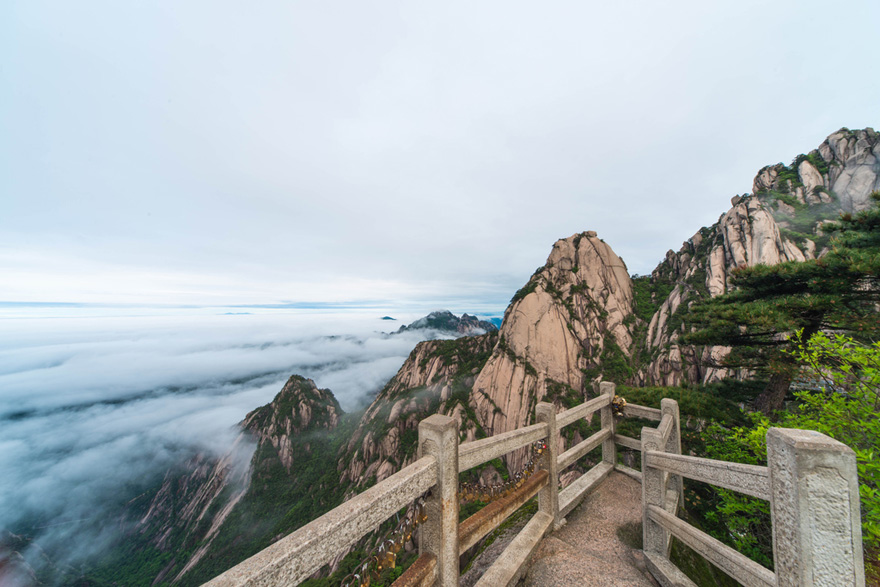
(94, 408)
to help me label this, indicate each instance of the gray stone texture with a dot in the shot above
(817, 537)
(438, 437)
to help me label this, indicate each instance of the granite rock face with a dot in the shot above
(568, 316)
(780, 221)
(557, 331)
(298, 408)
(436, 378)
(195, 500)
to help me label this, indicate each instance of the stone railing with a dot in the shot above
(442, 539)
(811, 483)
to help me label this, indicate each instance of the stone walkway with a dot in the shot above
(587, 550)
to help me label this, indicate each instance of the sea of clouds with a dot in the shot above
(94, 406)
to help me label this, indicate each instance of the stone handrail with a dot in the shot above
(295, 557)
(442, 540)
(811, 483)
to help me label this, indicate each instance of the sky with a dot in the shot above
(212, 152)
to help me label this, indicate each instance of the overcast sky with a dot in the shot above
(216, 152)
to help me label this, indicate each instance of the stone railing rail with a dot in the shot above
(811, 483)
(442, 539)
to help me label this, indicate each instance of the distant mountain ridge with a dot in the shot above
(447, 322)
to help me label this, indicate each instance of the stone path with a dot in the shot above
(587, 550)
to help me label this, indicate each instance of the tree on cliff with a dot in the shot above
(767, 303)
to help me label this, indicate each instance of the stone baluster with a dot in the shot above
(438, 437)
(609, 449)
(548, 498)
(814, 503)
(655, 538)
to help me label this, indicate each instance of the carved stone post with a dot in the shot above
(655, 538)
(609, 449)
(438, 437)
(673, 444)
(814, 503)
(548, 498)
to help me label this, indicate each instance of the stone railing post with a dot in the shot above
(814, 504)
(438, 437)
(548, 497)
(673, 444)
(655, 538)
(609, 449)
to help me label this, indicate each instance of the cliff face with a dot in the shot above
(436, 378)
(200, 506)
(287, 424)
(561, 327)
(780, 221)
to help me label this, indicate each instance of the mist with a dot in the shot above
(93, 409)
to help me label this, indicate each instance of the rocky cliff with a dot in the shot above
(267, 485)
(564, 330)
(781, 220)
(436, 378)
(568, 327)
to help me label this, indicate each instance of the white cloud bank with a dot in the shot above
(92, 407)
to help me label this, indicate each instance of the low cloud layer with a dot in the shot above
(94, 408)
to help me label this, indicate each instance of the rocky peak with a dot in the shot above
(194, 501)
(298, 408)
(565, 328)
(14, 570)
(843, 170)
(447, 322)
(781, 221)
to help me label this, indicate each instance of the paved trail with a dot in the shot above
(586, 551)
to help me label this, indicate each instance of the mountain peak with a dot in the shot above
(446, 321)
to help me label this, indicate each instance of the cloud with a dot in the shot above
(167, 152)
(94, 408)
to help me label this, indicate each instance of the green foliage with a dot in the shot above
(815, 158)
(466, 353)
(693, 402)
(845, 406)
(838, 291)
(738, 520)
(529, 287)
(615, 365)
(648, 294)
(787, 176)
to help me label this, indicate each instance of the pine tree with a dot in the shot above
(768, 303)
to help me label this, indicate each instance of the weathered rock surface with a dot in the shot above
(299, 407)
(570, 318)
(194, 502)
(14, 570)
(436, 378)
(781, 221)
(556, 332)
